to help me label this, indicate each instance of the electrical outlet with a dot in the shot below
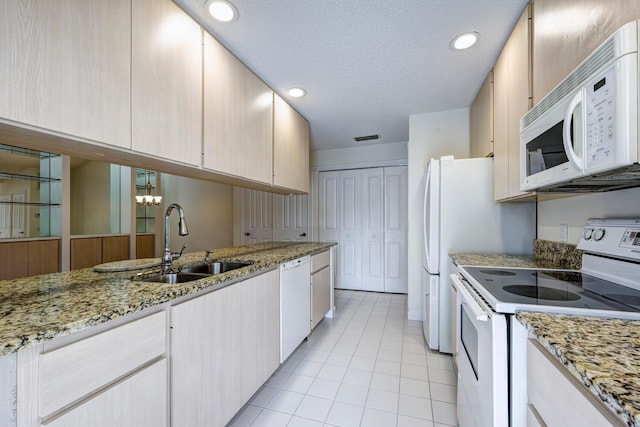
(564, 233)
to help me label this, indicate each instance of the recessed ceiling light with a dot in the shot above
(297, 92)
(223, 11)
(465, 41)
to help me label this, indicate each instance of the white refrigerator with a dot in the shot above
(460, 215)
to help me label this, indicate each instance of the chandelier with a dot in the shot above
(148, 199)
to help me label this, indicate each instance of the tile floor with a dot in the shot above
(368, 366)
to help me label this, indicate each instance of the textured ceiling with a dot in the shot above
(366, 64)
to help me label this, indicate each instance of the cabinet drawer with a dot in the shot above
(319, 261)
(558, 398)
(75, 370)
(139, 400)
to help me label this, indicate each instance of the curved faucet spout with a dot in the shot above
(183, 230)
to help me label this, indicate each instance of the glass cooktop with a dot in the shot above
(509, 289)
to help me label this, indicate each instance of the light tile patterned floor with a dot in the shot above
(368, 367)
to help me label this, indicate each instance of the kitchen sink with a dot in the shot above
(217, 267)
(173, 278)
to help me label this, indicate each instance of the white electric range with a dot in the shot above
(490, 344)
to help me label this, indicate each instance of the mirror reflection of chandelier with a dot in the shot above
(148, 199)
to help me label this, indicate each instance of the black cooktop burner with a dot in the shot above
(561, 288)
(541, 292)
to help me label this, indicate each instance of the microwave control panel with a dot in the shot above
(599, 107)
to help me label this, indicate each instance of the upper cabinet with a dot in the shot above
(558, 47)
(166, 82)
(290, 147)
(238, 117)
(66, 67)
(512, 99)
(481, 117)
(143, 84)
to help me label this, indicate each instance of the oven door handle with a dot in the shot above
(467, 299)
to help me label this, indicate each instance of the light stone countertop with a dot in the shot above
(546, 254)
(602, 353)
(40, 308)
(493, 260)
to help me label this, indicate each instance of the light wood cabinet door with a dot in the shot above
(290, 147)
(511, 100)
(320, 295)
(139, 400)
(44, 257)
(115, 248)
(238, 117)
(66, 67)
(14, 260)
(23, 259)
(86, 252)
(145, 246)
(260, 331)
(74, 372)
(206, 363)
(567, 31)
(166, 82)
(557, 398)
(481, 118)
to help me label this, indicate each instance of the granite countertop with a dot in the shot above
(602, 353)
(546, 254)
(494, 260)
(40, 308)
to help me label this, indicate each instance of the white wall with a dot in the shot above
(208, 210)
(575, 211)
(90, 198)
(431, 135)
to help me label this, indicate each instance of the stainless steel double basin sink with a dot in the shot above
(199, 271)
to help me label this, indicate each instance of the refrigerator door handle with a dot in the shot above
(431, 219)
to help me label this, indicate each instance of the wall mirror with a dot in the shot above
(30, 193)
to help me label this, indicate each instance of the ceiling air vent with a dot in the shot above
(366, 138)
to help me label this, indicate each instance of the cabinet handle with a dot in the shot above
(247, 234)
(303, 235)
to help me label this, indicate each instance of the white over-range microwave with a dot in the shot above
(583, 136)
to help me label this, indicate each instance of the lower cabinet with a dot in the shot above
(224, 347)
(90, 251)
(260, 331)
(558, 399)
(30, 258)
(320, 287)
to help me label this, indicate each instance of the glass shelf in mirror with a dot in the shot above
(30, 193)
(146, 181)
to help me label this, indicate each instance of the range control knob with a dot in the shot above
(587, 233)
(598, 234)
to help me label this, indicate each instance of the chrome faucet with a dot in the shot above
(167, 255)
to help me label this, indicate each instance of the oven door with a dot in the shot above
(481, 357)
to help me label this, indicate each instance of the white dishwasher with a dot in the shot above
(295, 304)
